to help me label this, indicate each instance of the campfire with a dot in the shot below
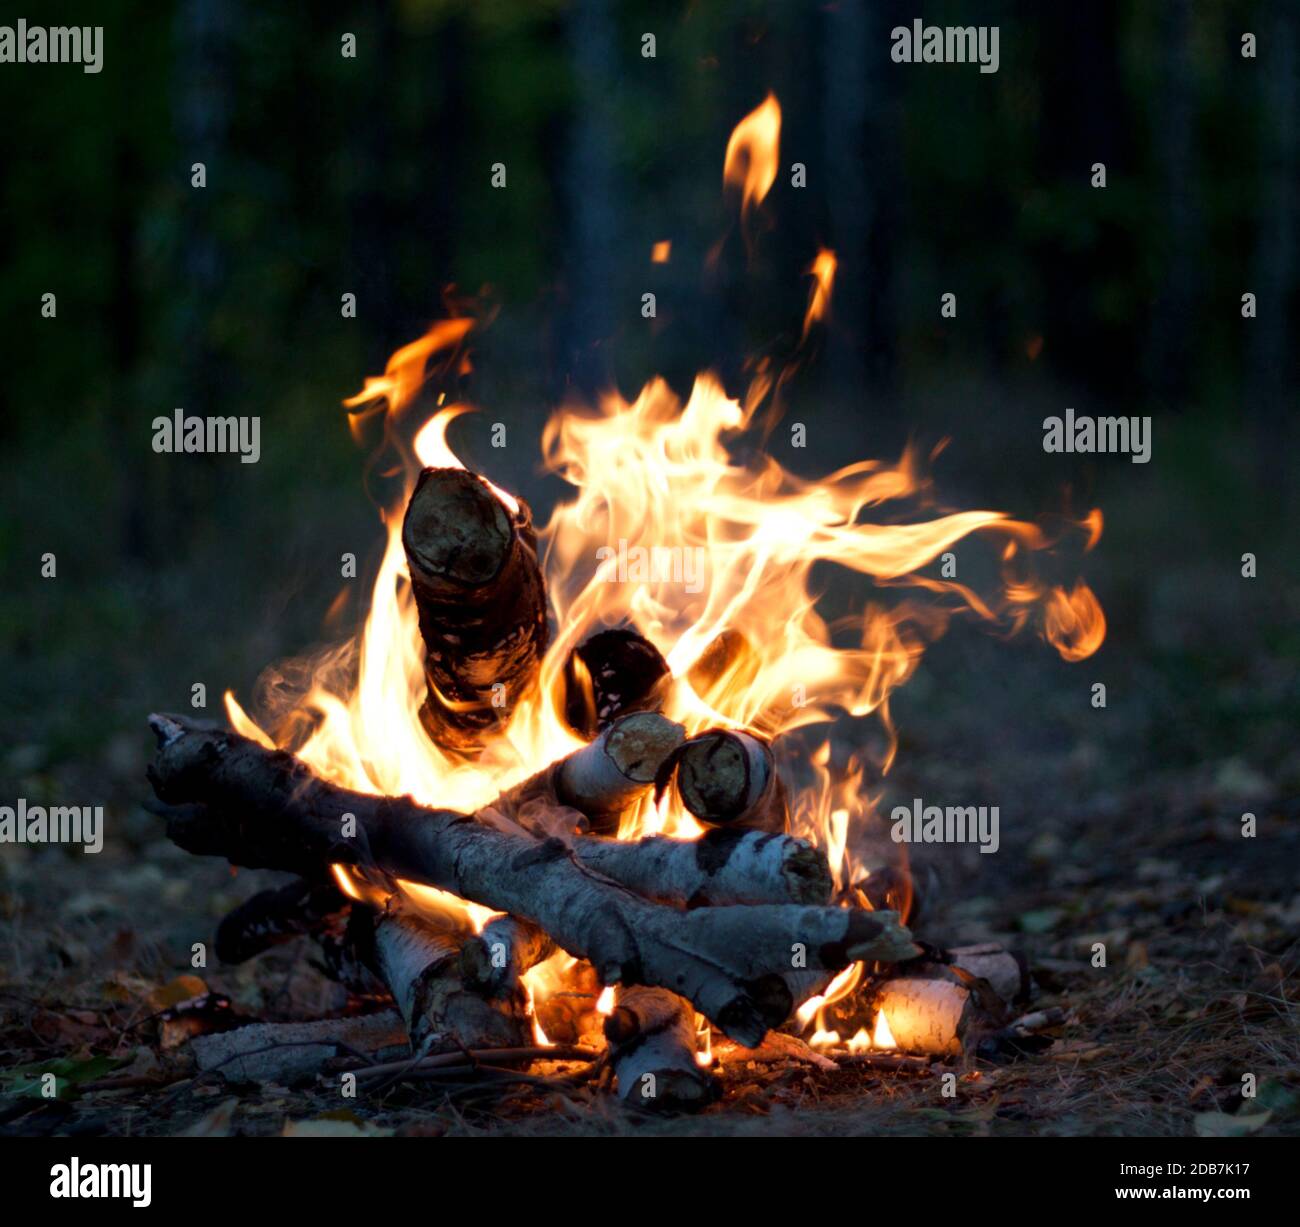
(582, 800)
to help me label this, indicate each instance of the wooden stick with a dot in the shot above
(651, 1034)
(265, 808)
(481, 602)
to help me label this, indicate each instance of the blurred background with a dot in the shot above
(329, 175)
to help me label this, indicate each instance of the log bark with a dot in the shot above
(930, 1016)
(1006, 974)
(264, 808)
(289, 1053)
(602, 780)
(278, 915)
(492, 961)
(653, 1046)
(481, 603)
(729, 778)
(420, 961)
(610, 674)
(722, 867)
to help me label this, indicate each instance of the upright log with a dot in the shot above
(481, 602)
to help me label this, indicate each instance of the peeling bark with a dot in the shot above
(723, 867)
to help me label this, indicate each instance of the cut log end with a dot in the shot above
(729, 778)
(456, 531)
(612, 673)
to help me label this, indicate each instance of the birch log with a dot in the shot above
(653, 1046)
(481, 603)
(420, 961)
(729, 778)
(930, 1016)
(610, 674)
(602, 780)
(492, 961)
(722, 867)
(265, 809)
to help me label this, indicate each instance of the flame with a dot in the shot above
(822, 271)
(882, 1037)
(752, 153)
(677, 526)
(661, 251)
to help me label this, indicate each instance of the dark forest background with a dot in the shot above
(329, 175)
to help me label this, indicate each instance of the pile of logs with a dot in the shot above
(738, 927)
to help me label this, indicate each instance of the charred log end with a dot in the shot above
(713, 774)
(809, 876)
(612, 673)
(456, 533)
(729, 778)
(728, 661)
(773, 999)
(621, 1026)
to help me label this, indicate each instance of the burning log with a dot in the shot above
(610, 674)
(725, 866)
(265, 809)
(651, 1034)
(728, 662)
(420, 962)
(481, 602)
(492, 961)
(605, 779)
(730, 779)
(278, 915)
(930, 1016)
